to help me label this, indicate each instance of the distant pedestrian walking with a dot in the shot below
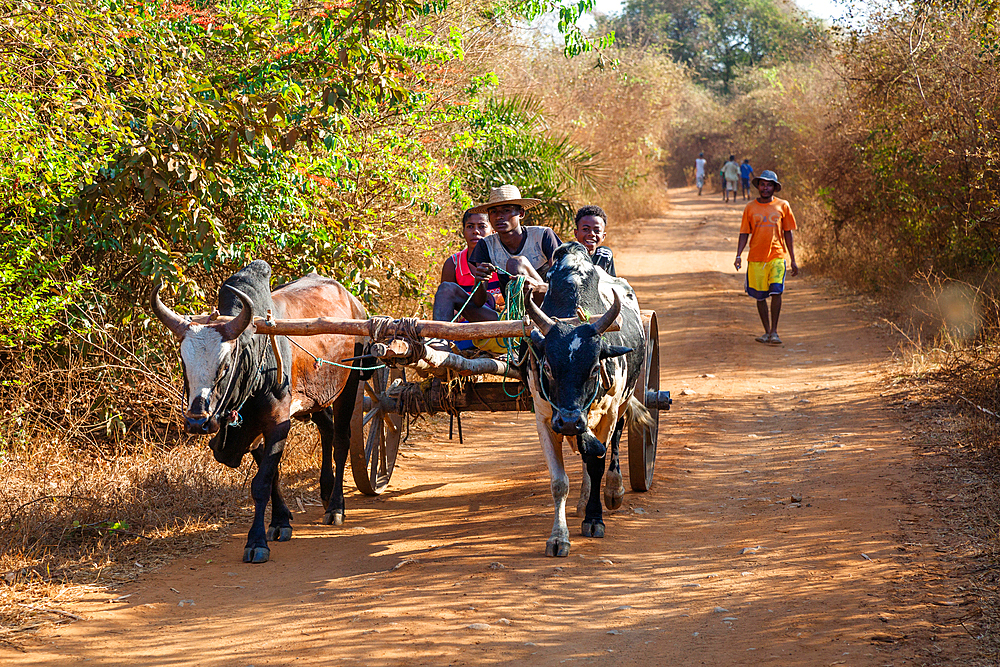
(699, 172)
(732, 172)
(767, 224)
(746, 173)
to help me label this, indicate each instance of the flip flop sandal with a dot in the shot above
(766, 338)
(774, 339)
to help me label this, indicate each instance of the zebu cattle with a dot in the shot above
(233, 389)
(581, 380)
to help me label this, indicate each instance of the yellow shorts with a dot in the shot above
(765, 279)
(493, 345)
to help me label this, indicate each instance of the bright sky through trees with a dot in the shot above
(823, 9)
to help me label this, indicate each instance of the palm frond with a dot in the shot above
(517, 147)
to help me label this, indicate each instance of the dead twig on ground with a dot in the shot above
(58, 612)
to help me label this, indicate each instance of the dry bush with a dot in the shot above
(914, 155)
(951, 351)
(959, 324)
(621, 115)
(912, 166)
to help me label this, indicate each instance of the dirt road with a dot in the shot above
(715, 566)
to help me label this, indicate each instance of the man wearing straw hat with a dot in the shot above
(515, 249)
(767, 224)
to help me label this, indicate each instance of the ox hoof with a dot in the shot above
(557, 548)
(256, 554)
(581, 508)
(279, 533)
(612, 498)
(336, 518)
(592, 529)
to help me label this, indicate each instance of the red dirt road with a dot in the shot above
(448, 566)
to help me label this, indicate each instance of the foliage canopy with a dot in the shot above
(158, 138)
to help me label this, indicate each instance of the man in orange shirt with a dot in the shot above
(767, 223)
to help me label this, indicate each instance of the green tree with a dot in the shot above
(718, 38)
(507, 142)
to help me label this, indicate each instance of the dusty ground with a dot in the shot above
(448, 566)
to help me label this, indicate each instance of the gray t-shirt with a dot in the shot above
(538, 245)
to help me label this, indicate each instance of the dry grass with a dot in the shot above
(620, 115)
(951, 331)
(98, 482)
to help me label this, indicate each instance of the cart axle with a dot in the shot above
(658, 400)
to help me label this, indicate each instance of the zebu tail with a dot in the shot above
(636, 415)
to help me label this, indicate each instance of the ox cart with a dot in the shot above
(413, 378)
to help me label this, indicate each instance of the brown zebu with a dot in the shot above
(233, 390)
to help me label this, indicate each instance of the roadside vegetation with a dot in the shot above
(177, 140)
(157, 139)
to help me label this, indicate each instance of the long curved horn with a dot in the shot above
(232, 329)
(171, 320)
(541, 320)
(608, 318)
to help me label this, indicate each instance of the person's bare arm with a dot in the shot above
(482, 271)
(739, 250)
(448, 271)
(791, 251)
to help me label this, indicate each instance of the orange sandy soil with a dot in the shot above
(448, 566)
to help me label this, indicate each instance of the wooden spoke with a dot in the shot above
(375, 434)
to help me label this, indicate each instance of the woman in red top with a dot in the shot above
(457, 281)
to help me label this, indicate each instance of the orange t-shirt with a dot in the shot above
(766, 224)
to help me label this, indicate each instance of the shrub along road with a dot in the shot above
(780, 528)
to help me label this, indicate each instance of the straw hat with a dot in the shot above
(505, 194)
(767, 175)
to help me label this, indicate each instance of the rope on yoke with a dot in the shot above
(514, 311)
(386, 329)
(377, 327)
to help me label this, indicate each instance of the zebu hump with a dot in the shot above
(317, 296)
(572, 282)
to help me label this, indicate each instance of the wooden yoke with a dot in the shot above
(424, 328)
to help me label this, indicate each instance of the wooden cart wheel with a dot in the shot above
(641, 441)
(375, 434)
